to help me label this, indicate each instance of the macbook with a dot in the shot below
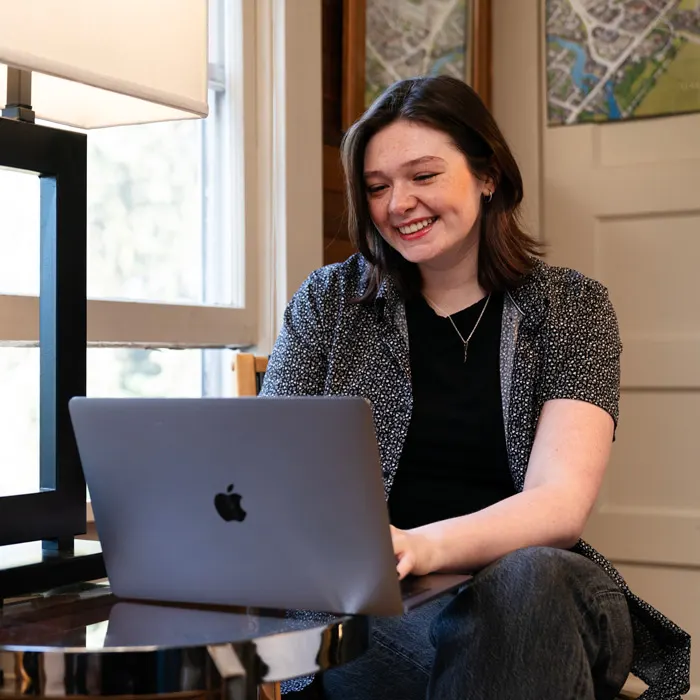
(274, 502)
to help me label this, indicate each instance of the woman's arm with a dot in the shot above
(571, 450)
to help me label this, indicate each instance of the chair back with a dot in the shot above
(248, 373)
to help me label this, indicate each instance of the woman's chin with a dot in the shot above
(432, 256)
(418, 254)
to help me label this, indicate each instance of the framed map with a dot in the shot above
(621, 59)
(388, 40)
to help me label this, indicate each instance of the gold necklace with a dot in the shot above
(454, 325)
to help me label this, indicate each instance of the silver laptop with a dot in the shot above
(267, 502)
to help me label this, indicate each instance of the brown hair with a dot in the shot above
(451, 106)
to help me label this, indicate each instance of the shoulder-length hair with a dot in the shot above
(451, 106)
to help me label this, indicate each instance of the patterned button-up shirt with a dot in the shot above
(559, 339)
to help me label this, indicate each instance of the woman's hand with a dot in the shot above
(413, 552)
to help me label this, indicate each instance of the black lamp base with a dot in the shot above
(56, 511)
(31, 568)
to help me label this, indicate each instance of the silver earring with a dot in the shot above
(490, 197)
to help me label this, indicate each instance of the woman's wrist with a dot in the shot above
(431, 547)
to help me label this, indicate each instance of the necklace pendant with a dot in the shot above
(466, 349)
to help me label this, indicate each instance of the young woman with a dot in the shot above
(494, 382)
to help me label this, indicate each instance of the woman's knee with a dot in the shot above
(530, 581)
(531, 571)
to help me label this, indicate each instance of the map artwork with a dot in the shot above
(621, 59)
(408, 38)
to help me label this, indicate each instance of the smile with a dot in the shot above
(416, 226)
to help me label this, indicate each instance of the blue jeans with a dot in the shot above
(538, 624)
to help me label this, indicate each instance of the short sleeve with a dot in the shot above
(297, 365)
(582, 349)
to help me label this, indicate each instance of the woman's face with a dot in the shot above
(423, 198)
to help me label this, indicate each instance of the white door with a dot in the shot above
(621, 203)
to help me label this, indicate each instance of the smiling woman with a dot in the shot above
(494, 381)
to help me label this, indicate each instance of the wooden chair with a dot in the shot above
(270, 691)
(632, 689)
(248, 373)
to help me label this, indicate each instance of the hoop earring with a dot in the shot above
(490, 197)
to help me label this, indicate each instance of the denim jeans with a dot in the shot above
(538, 624)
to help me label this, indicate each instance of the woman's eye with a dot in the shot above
(375, 189)
(425, 176)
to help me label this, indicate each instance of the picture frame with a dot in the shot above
(647, 67)
(477, 58)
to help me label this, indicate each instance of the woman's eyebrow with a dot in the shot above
(407, 164)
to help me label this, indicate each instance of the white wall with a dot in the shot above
(621, 203)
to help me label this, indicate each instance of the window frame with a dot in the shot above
(274, 146)
(130, 323)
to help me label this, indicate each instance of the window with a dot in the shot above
(198, 232)
(165, 272)
(110, 372)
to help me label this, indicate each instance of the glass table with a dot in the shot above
(83, 641)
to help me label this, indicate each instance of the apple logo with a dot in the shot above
(228, 505)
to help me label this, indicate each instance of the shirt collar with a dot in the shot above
(530, 296)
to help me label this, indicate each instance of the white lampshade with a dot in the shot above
(98, 63)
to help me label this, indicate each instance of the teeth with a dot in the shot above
(405, 230)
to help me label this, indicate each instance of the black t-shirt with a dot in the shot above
(454, 460)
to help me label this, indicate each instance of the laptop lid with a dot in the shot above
(274, 502)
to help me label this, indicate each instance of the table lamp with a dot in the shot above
(85, 64)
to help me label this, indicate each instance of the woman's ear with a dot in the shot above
(489, 187)
(492, 175)
(492, 180)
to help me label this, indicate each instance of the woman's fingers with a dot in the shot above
(404, 556)
(404, 565)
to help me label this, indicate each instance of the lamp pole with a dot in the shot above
(19, 96)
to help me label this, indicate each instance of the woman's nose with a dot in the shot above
(401, 201)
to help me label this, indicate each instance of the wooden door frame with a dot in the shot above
(478, 59)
